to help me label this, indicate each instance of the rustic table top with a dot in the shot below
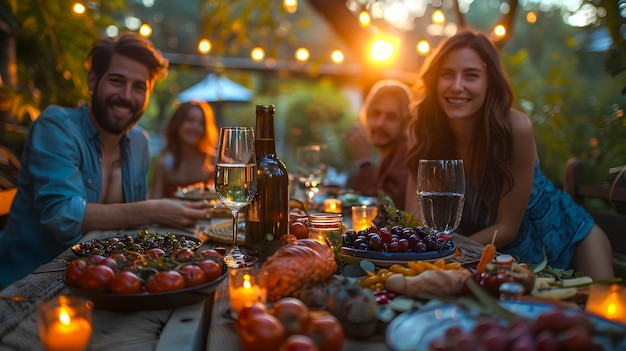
(200, 326)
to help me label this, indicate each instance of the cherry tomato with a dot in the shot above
(248, 311)
(299, 343)
(165, 281)
(74, 271)
(126, 283)
(108, 261)
(326, 331)
(299, 230)
(193, 275)
(96, 259)
(204, 254)
(211, 269)
(97, 277)
(292, 313)
(263, 332)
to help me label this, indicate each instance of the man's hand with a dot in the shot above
(179, 213)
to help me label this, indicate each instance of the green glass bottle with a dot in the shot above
(267, 218)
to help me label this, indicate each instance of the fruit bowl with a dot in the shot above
(386, 259)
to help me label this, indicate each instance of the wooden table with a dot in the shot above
(201, 326)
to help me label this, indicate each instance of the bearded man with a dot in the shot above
(86, 168)
(382, 127)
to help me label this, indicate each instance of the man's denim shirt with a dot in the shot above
(61, 172)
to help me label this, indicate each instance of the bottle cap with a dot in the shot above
(265, 108)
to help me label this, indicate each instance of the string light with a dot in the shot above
(78, 8)
(337, 56)
(438, 17)
(290, 6)
(382, 50)
(499, 31)
(364, 18)
(257, 54)
(145, 30)
(531, 17)
(422, 47)
(302, 54)
(204, 46)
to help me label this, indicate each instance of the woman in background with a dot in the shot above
(464, 111)
(188, 158)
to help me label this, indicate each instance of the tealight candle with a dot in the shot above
(363, 216)
(332, 205)
(246, 286)
(608, 301)
(65, 323)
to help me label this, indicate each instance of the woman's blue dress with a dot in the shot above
(552, 220)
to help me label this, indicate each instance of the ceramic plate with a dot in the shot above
(386, 259)
(205, 195)
(150, 301)
(137, 241)
(413, 331)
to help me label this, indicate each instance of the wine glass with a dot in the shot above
(441, 194)
(311, 170)
(235, 179)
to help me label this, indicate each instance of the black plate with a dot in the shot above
(400, 256)
(191, 242)
(110, 301)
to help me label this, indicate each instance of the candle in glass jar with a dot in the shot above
(608, 301)
(65, 324)
(332, 205)
(247, 286)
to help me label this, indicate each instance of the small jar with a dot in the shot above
(511, 291)
(505, 261)
(321, 224)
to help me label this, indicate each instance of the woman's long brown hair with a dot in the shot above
(207, 144)
(492, 147)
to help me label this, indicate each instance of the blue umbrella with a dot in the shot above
(216, 88)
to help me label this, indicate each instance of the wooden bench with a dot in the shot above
(613, 223)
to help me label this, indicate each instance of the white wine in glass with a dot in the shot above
(235, 180)
(441, 194)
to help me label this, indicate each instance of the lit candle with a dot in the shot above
(608, 302)
(332, 205)
(363, 216)
(65, 324)
(247, 286)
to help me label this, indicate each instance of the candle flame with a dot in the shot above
(246, 281)
(64, 316)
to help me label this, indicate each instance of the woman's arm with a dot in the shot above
(513, 205)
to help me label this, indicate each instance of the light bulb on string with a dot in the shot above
(290, 6)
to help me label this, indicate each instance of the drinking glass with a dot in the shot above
(235, 179)
(441, 194)
(311, 170)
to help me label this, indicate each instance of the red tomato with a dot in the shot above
(299, 343)
(193, 275)
(204, 254)
(126, 283)
(97, 277)
(211, 269)
(292, 313)
(326, 331)
(96, 258)
(154, 253)
(108, 261)
(248, 311)
(165, 281)
(263, 332)
(74, 271)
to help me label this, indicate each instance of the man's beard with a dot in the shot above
(109, 125)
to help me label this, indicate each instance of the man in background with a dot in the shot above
(382, 127)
